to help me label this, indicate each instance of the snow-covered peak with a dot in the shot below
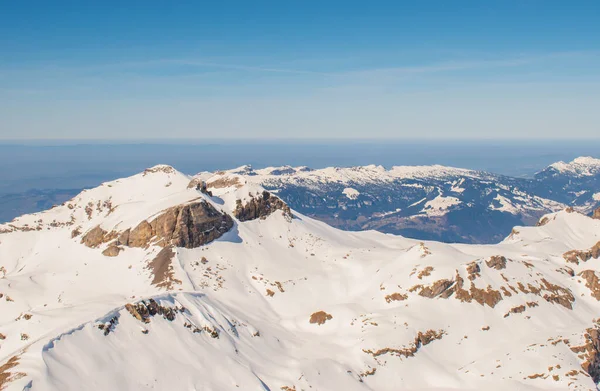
(581, 166)
(123, 202)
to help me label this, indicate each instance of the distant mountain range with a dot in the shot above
(423, 202)
(431, 202)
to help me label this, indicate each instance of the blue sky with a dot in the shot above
(301, 69)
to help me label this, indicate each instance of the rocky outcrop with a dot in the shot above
(596, 214)
(7, 373)
(198, 224)
(473, 270)
(95, 237)
(574, 256)
(199, 185)
(436, 289)
(320, 317)
(557, 294)
(515, 310)
(487, 296)
(139, 236)
(225, 182)
(112, 251)
(591, 282)
(543, 221)
(422, 339)
(144, 311)
(395, 297)
(590, 351)
(261, 206)
(159, 168)
(497, 262)
(191, 225)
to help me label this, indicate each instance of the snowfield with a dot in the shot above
(96, 295)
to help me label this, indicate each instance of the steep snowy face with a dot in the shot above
(220, 285)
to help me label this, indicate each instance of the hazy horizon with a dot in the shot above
(60, 165)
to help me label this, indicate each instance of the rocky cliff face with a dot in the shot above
(596, 214)
(261, 206)
(190, 226)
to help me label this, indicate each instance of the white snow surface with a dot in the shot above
(259, 284)
(351, 193)
(581, 166)
(440, 205)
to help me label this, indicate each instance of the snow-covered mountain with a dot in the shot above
(431, 202)
(159, 282)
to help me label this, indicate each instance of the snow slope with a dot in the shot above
(289, 304)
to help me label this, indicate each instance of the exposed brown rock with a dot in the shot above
(436, 289)
(261, 206)
(76, 232)
(140, 236)
(487, 296)
(596, 214)
(162, 269)
(515, 310)
(94, 237)
(145, 310)
(123, 238)
(591, 282)
(191, 225)
(425, 272)
(575, 256)
(320, 317)
(473, 269)
(6, 376)
(396, 297)
(225, 182)
(558, 294)
(112, 251)
(543, 221)
(200, 185)
(591, 352)
(140, 314)
(160, 168)
(196, 183)
(198, 224)
(497, 262)
(535, 375)
(422, 339)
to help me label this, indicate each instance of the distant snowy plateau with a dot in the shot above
(230, 281)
